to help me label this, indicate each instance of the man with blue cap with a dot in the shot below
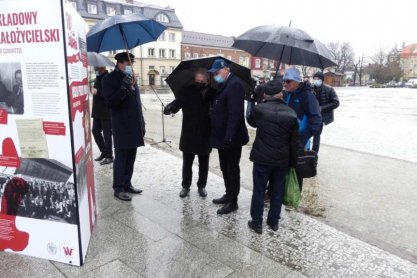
(229, 132)
(301, 99)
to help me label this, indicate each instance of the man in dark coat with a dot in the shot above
(328, 102)
(273, 153)
(229, 132)
(301, 99)
(194, 101)
(128, 125)
(4, 92)
(101, 120)
(16, 98)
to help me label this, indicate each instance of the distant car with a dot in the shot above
(411, 83)
(399, 84)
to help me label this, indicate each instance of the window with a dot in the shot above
(74, 4)
(162, 37)
(162, 69)
(171, 37)
(110, 10)
(195, 55)
(162, 18)
(203, 55)
(171, 68)
(257, 63)
(244, 61)
(151, 52)
(187, 55)
(172, 53)
(162, 53)
(151, 67)
(92, 8)
(127, 11)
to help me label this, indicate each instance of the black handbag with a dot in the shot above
(307, 164)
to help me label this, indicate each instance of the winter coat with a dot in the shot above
(128, 124)
(307, 108)
(227, 116)
(100, 109)
(196, 127)
(276, 141)
(328, 101)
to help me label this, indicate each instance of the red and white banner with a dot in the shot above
(47, 196)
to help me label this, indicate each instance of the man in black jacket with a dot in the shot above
(128, 125)
(101, 120)
(228, 132)
(16, 99)
(273, 153)
(194, 101)
(328, 101)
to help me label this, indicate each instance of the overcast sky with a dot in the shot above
(366, 24)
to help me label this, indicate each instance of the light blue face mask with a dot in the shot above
(128, 70)
(317, 82)
(218, 78)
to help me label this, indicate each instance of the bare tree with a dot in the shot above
(343, 55)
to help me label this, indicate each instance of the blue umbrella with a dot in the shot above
(123, 32)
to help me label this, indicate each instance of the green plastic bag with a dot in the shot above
(292, 194)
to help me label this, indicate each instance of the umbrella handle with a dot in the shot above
(127, 49)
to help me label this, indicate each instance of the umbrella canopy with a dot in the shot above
(183, 75)
(123, 32)
(285, 44)
(99, 60)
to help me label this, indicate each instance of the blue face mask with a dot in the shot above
(128, 70)
(317, 82)
(218, 78)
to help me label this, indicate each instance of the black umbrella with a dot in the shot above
(183, 74)
(286, 45)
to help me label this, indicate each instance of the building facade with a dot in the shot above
(263, 67)
(196, 45)
(408, 61)
(154, 60)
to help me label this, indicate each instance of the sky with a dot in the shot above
(367, 25)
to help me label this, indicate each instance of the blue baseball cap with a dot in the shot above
(292, 74)
(217, 64)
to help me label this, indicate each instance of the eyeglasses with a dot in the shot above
(287, 81)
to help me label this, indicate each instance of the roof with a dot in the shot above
(408, 51)
(203, 39)
(149, 11)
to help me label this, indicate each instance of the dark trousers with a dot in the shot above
(123, 169)
(229, 164)
(187, 169)
(316, 139)
(262, 174)
(102, 135)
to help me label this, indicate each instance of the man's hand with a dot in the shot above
(94, 91)
(167, 109)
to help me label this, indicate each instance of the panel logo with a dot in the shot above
(52, 249)
(68, 251)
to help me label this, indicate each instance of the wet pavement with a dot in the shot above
(366, 183)
(159, 234)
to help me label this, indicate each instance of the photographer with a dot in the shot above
(128, 125)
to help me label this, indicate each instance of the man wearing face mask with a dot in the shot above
(101, 120)
(328, 101)
(301, 99)
(194, 100)
(229, 132)
(128, 125)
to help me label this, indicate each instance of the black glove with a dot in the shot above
(167, 109)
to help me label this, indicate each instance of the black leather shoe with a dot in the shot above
(133, 190)
(184, 192)
(122, 196)
(202, 191)
(220, 201)
(256, 228)
(272, 227)
(228, 208)
(101, 157)
(107, 160)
